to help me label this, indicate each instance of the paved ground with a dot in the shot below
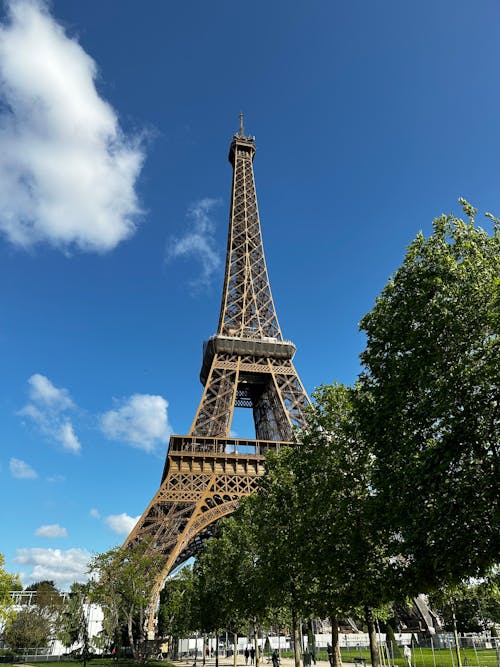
(228, 662)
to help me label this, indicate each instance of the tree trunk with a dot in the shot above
(235, 649)
(141, 646)
(256, 644)
(204, 649)
(336, 655)
(455, 635)
(311, 640)
(217, 649)
(296, 638)
(175, 648)
(372, 635)
(130, 632)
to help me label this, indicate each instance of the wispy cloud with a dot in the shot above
(48, 410)
(56, 479)
(53, 530)
(121, 523)
(21, 470)
(94, 513)
(61, 567)
(198, 242)
(67, 171)
(141, 420)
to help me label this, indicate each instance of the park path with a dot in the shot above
(228, 662)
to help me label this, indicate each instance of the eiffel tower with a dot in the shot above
(246, 364)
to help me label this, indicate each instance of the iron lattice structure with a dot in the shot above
(245, 364)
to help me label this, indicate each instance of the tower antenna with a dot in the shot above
(242, 134)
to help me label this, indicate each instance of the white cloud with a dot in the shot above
(48, 410)
(67, 171)
(43, 392)
(140, 420)
(95, 514)
(21, 470)
(121, 523)
(53, 530)
(62, 567)
(199, 241)
(68, 438)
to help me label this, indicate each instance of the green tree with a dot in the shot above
(472, 606)
(29, 628)
(178, 610)
(230, 580)
(275, 513)
(47, 594)
(49, 600)
(8, 582)
(73, 621)
(347, 564)
(122, 586)
(429, 405)
(43, 616)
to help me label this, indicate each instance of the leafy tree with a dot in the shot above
(123, 583)
(33, 627)
(275, 514)
(392, 644)
(178, 610)
(471, 606)
(29, 628)
(347, 564)
(230, 580)
(213, 597)
(429, 402)
(48, 599)
(8, 583)
(73, 621)
(309, 539)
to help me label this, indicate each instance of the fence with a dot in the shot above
(436, 651)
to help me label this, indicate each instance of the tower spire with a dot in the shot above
(247, 307)
(241, 133)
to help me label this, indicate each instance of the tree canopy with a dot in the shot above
(8, 582)
(123, 585)
(178, 614)
(29, 628)
(473, 605)
(429, 405)
(72, 626)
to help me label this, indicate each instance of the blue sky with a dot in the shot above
(370, 118)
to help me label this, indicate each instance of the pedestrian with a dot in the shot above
(407, 653)
(329, 650)
(275, 658)
(247, 655)
(252, 655)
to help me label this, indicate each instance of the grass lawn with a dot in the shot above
(425, 657)
(421, 657)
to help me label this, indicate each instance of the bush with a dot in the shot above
(27, 629)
